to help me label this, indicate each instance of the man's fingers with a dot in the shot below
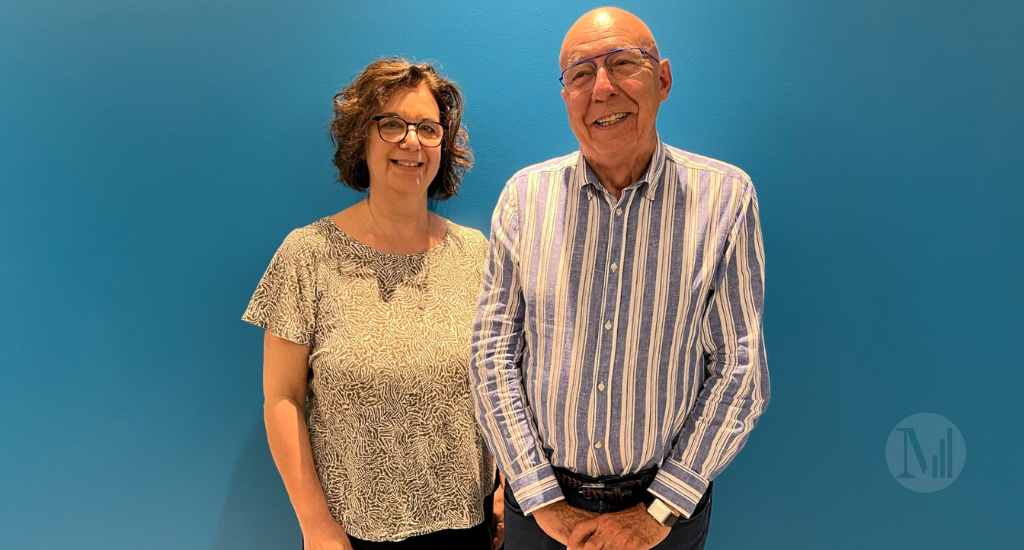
(595, 542)
(603, 536)
(625, 541)
(610, 534)
(581, 533)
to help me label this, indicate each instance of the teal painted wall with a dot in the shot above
(154, 155)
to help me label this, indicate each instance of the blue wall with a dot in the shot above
(154, 155)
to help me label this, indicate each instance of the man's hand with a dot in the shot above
(631, 529)
(559, 520)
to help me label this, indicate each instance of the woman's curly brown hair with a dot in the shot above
(366, 96)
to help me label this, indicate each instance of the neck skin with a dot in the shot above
(404, 221)
(625, 169)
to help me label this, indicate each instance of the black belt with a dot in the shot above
(616, 490)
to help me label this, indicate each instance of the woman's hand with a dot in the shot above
(327, 536)
(498, 518)
(285, 367)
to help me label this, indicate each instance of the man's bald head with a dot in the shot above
(602, 23)
(613, 111)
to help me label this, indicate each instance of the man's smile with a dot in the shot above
(611, 120)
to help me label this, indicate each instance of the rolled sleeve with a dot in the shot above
(536, 489)
(678, 486)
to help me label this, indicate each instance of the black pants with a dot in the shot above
(475, 538)
(523, 533)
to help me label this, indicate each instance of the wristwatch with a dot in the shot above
(660, 511)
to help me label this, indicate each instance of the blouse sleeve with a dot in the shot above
(285, 299)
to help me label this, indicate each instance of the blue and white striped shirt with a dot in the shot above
(614, 335)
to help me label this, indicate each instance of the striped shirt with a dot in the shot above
(616, 335)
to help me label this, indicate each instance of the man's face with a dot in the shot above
(616, 117)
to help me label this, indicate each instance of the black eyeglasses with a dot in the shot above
(621, 63)
(393, 129)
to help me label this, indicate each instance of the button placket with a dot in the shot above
(610, 299)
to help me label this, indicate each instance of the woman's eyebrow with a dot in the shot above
(396, 115)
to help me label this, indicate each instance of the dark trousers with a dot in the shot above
(523, 533)
(475, 538)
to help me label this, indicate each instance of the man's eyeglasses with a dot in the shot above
(393, 129)
(621, 63)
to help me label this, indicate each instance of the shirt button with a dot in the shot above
(597, 445)
(607, 325)
(618, 211)
(614, 267)
(600, 386)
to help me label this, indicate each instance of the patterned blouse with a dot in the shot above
(390, 418)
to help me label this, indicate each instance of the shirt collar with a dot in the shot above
(585, 179)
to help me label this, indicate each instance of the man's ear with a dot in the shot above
(664, 78)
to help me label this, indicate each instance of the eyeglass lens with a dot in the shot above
(394, 129)
(622, 64)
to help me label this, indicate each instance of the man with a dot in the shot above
(618, 362)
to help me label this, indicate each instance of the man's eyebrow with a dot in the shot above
(574, 58)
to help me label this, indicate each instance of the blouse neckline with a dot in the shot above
(360, 244)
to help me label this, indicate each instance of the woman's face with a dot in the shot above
(406, 167)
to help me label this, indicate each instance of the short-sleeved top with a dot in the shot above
(389, 411)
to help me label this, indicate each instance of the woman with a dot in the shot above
(368, 315)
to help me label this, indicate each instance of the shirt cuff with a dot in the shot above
(536, 488)
(678, 486)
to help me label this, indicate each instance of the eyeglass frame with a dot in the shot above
(606, 55)
(415, 125)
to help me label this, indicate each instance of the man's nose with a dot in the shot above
(603, 85)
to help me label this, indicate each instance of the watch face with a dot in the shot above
(660, 511)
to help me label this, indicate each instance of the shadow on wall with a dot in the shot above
(257, 513)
